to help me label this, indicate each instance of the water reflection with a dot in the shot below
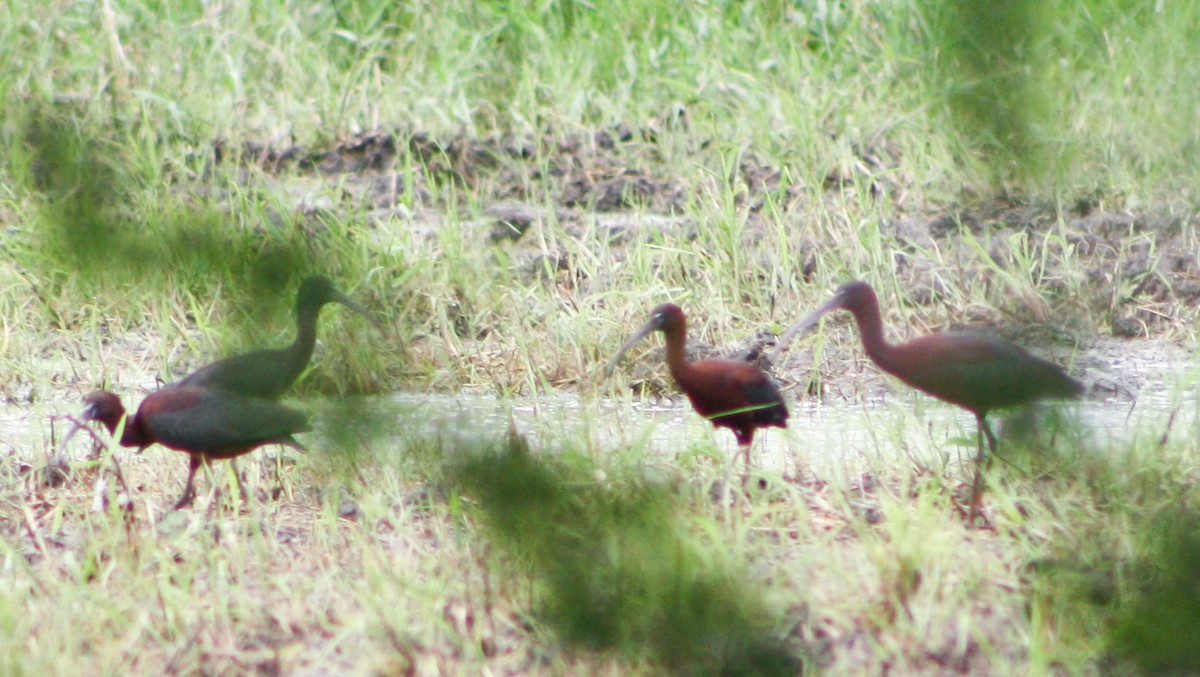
(825, 437)
(822, 437)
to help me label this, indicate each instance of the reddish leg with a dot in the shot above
(980, 458)
(188, 492)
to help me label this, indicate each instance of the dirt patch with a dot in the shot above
(1099, 267)
(1141, 267)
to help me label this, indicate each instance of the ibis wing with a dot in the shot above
(262, 373)
(762, 390)
(217, 421)
(982, 372)
(722, 386)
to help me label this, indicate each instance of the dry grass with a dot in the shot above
(321, 580)
(171, 171)
(374, 559)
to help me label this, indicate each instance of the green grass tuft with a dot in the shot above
(619, 572)
(1156, 623)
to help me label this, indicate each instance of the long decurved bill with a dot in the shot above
(62, 448)
(339, 297)
(647, 329)
(89, 415)
(804, 323)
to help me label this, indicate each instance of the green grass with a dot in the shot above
(619, 574)
(393, 549)
(167, 177)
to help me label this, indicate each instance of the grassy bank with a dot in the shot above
(737, 159)
(472, 549)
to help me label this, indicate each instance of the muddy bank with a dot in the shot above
(1106, 273)
(1140, 267)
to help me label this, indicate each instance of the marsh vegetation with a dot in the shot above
(510, 188)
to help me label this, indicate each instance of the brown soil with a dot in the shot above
(1142, 267)
(1147, 260)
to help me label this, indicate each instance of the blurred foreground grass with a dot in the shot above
(162, 190)
(618, 570)
(419, 552)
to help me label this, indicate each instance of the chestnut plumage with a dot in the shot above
(978, 372)
(207, 424)
(730, 394)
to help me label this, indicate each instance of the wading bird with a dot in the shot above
(267, 374)
(975, 371)
(734, 395)
(207, 424)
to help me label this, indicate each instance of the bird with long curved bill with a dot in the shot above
(730, 394)
(206, 424)
(267, 374)
(975, 371)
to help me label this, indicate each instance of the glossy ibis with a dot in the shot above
(730, 394)
(207, 424)
(267, 374)
(978, 372)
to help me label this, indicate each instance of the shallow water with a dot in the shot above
(823, 437)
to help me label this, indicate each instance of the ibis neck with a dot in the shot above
(870, 328)
(134, 434)
(676, 351)
(306, 332)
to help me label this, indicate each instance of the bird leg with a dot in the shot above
(991, 440)
(238, 476)
(728, 474)
(745, 437)
(729, 465)
(188, 492)
(279, 472)
(743, 450)
(980, 458)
